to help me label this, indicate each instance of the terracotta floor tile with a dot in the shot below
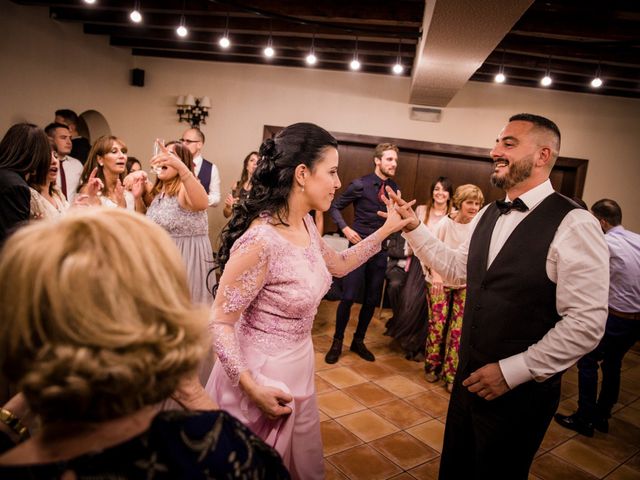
(402, 365)
(627, 398)
(586, 458)
(401, 414)
(364, 463)
(323, 416)
(402, 476)
(323, 386)
(608, 445)
(634, 462)
(569, 389)
(370, 394)
(331, 472)
(625, 431)
(430, 402)
(367, 425)
(430, 433)
(337, 403)
(336, 438)
(322, 343)
(550, 467)
(320, 364)
(372, 370)
(624, 473)
(555, 436)
(400, 386)
(342, 377)
(632, 386)
(404, 450)
(427, 471)
(568, 406)
(630, 415)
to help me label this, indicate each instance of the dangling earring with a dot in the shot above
(303, 187)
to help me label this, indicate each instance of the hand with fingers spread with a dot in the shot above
(394, 220)
(403, 208)
(487, 382)
(167, 158)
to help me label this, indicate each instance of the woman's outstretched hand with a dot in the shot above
(402, 208)
(397, 216)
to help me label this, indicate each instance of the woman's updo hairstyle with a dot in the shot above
(297, 144)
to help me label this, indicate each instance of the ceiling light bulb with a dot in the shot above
(182, 31)
(135, 16)
(397, 69)
(546, 81)
(500, 78)
(596, 82)
(90, 2)
(224, 42)
(355, 64)
(311, 59)
(269, 52)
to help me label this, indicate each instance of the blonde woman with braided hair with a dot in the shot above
(98, 329)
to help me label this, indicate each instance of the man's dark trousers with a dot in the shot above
(371, 274)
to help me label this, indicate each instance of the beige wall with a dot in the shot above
(51, 65)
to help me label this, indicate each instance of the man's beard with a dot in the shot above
(387, 173)
(518, 172)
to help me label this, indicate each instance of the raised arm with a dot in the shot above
(341, 263)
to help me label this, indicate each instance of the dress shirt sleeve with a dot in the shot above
(214, 187)
(243, 278)
(450, 263)
(341, 263)
(578, 262)
(346, 198)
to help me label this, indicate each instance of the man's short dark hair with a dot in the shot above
(540, 122)
(607, 210)
(50, 129)
(68, 115)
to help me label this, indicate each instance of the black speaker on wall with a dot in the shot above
(137, 77)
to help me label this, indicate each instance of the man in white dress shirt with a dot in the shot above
(205, 170)
(70, 168)
(537, 272)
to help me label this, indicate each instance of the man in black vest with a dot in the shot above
(206, 171)
(537, 272)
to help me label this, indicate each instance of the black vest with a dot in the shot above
(205, 174)
(512, 305)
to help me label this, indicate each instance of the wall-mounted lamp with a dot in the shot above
(193, 110)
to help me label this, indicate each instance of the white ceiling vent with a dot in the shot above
(426, 114)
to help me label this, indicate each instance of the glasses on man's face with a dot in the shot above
(186, 140)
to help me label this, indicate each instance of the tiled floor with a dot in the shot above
(383, 420)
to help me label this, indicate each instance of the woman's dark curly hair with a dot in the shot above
(300, 143)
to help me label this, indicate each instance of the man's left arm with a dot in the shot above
(578, 262)
(214, 187)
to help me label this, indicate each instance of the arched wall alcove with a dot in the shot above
(93, 125)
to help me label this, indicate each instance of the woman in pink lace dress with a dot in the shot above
(276, 270)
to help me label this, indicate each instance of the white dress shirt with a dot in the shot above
(214, 184)
(624, 259)
(577, 262)
(72, 171)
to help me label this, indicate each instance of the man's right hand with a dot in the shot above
(351, 235)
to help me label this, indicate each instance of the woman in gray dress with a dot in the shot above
(178, 203)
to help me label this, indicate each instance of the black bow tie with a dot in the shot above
(506, 207)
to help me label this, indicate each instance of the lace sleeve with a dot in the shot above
(341, 263)
(243, 277)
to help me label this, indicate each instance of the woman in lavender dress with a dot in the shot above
(276, 269)
(178, 203)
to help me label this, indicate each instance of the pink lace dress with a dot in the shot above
(261, 320)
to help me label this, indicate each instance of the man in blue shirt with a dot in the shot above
(622, 330)
(365, 193)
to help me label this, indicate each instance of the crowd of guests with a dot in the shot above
(123, 371)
